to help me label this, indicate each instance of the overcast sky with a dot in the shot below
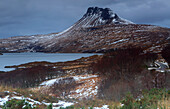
(27, 17)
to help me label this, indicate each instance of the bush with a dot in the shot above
(50, 106)
(150, 99)
(69, 107)
(22, 104)
(28, 77)
(63, 86)
(121, 63)
(166, 53)
(122, 71)
(17, 104)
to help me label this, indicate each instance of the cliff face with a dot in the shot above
(99, 30)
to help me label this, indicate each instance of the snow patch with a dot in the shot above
(4, 100)
(33, 102)
(76, 78)
(63, 104)
(121, 40)
(104, 107)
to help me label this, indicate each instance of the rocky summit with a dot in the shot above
(101, 16)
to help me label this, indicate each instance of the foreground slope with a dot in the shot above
(99, 30)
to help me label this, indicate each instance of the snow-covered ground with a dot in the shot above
(12, 95)
(58, 105)
(103, 107)
(161, 66)
(87, 89)
(77, 78)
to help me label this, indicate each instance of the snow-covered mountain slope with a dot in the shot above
(98, 30)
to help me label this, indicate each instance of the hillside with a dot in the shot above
(97, 81)
(99, 30)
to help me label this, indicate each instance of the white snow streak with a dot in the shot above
(76, 78)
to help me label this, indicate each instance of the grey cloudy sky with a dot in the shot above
(27, 17)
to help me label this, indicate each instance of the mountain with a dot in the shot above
(99, 30)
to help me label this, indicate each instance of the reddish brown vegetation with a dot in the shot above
(28, 77)
(125, 70)
(63, 86)
(123, 63)
(32, 74)
(154, 79)
(166, 53)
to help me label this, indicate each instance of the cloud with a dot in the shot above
(25, 17)
(145, 11)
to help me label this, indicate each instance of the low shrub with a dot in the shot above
(69, 107)
(22, 104)
(17, 104)
(166, 53)
(28, 77)
(50, 106)
(150, 99)
(125, 70)
(63, 86)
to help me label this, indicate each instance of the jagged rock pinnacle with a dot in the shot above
(96, 16)
(104, 13)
